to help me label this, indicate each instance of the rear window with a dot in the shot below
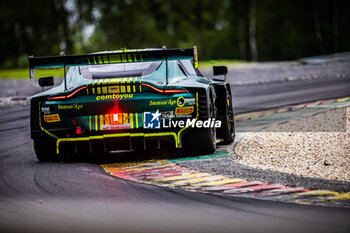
(135, 69)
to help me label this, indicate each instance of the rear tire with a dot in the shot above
(45, 150)
(201, 141)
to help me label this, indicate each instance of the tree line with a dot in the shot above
(222, 29)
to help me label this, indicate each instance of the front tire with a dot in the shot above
(228, 123)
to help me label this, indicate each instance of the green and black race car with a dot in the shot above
(128, 100)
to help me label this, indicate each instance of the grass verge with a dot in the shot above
(23, 73)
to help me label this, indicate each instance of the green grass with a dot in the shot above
(24, 73)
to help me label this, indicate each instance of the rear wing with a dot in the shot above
(120, 56)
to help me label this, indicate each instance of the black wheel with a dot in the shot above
(228, 123)
(203, 140)
(45, 150)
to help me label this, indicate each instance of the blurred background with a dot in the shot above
(246, 30)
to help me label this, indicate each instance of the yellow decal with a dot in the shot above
(163, 102)
(125, 118)
(180, 101)
(101, 121)
(70, 106)
(52, 118)
(122, 89)
(137, 120)
(104, 90)
(106, 119)
(195, 56)
(131, 117)
(96, 127)
(114, 96)
(182, 111)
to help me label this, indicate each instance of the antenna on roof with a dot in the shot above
(122, 31)
(65, 72)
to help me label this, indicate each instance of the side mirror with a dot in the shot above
(46, 81)
(220, 70)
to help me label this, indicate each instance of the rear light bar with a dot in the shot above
(66, 96)
(164, 91)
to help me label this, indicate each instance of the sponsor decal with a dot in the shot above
(180, 101)
(209, 123)
(117, 126)
(52, 118)
(70, 106)
(162, 102)
(191, 101)
(45, 110)
(151, 120)
(184, 111)
(167, 115)
(183, 116)
(114, 96)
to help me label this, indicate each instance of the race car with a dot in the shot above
(140, 99)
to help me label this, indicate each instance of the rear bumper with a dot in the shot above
(95, 138)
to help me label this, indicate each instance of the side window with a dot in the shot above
(189, 67)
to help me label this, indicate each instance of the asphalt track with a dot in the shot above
(256, 97)
(81, 197)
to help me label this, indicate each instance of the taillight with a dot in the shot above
(165, 91)
(115, 118)
(66, 96)
(78, 130)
